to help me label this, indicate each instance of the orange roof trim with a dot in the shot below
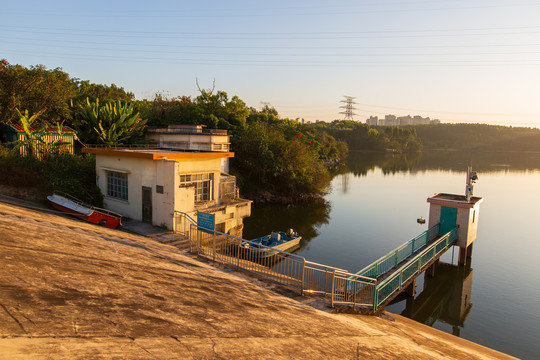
(155, 154)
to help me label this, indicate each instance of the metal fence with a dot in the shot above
(182, 223)
(390, 260)
(284, 268)
(415, 266)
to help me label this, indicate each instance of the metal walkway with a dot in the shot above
(398, 269)
(370, 289)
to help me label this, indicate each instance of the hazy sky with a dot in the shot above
(457, 61)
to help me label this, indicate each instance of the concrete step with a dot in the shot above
(181, 244)
(168, 238)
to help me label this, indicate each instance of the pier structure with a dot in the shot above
(453, 221)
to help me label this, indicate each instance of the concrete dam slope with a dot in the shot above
(73, 290)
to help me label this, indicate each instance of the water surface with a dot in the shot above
(372, 208)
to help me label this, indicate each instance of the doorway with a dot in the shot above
(147, 204)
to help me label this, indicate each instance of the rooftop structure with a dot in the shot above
(192, 138)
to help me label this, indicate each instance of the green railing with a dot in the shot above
(392, 259)
(416, 265)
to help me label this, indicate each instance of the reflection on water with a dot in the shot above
(372, 209)
(359, 163)
(445, 297)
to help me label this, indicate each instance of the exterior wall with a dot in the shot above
(141, 172)
(229, 218)
(163, 205)
(175, 197)
(467, 220)
(434, 215)
(202, 166)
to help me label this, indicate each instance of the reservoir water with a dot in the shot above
(372, 208)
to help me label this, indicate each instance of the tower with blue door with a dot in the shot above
(450, 210)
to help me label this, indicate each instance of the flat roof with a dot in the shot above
(157, 154)
(454, 200)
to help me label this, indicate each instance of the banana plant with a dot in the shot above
(35, 141)
(115, 123)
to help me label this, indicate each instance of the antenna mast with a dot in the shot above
(471, 179)
(348, 107)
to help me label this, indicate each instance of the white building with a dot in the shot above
(156, 185)
(405, 120)
(390, 120)
(192, 138)
(372, 121)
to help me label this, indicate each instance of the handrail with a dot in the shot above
(327, 266)
(416, 264)
(394, 257)
(188, 217)
(311, 277)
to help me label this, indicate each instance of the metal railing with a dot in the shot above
(305, 276)
(188, 131)
(416, 265)
(393, 258)
(182, 223)
(353, 290)
(284, 268)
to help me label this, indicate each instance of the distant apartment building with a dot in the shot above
(405, 120)
(373, 121)
(392, 120)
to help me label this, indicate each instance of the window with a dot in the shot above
(202, 183)
(117, 185)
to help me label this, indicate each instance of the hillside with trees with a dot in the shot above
(360, 136)
(478, 137)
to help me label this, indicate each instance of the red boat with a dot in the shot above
(84, 211)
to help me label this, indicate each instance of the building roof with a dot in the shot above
(52, 129)
(453, 200)
(156, 154)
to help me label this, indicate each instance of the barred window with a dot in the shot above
(117, 185)
(202, 183)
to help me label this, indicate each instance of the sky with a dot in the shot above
(473, 61)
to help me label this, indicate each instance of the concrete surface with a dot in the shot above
(73, 290)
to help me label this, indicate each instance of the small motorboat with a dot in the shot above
(421, 220)
(267, 245)
(73, 206)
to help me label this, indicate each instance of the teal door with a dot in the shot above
(448, 219)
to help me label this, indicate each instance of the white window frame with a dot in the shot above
(117, 185)
(203, 184)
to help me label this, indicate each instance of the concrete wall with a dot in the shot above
(140, 173)
(166, 174)
(467, 220)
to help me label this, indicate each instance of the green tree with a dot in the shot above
(88, 90)
(36, 89)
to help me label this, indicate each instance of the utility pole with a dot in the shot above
(348, 107)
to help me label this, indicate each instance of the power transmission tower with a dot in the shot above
(349, 107)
